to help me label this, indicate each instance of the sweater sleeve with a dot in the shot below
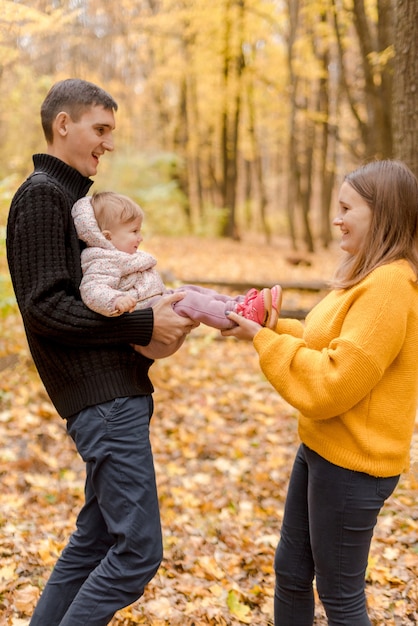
(323, 382)
(290, 327)
(44, 258)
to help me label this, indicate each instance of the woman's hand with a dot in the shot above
(245, 329)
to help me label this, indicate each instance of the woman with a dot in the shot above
(351, 371)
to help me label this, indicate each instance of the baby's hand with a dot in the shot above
(124, 304)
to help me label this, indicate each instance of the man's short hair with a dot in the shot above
(74, 96)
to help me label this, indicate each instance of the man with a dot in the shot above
(96, 379)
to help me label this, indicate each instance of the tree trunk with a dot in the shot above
(231, 115)
(328, 99)
(370, 106)
(292, 177)
(257, 165)
(405, 97)
(305, 182)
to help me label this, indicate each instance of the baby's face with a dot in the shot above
(127, 237)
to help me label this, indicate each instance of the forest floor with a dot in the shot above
(223, 443)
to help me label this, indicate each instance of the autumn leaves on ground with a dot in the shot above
(223, 443)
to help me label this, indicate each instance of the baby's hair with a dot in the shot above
(112, 208)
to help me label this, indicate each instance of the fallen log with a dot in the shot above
(313, 285)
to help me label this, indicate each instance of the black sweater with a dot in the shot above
(83, 358)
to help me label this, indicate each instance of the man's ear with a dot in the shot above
(61, 123)
(107, 235)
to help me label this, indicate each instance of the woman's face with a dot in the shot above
(354, 219)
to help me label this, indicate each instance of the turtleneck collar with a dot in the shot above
(75, 182)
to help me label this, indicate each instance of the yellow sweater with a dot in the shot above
(352, 371)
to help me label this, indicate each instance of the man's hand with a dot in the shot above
(169, 327)
(245, 329)
(157, 350)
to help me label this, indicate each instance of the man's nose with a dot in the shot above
(108, 144)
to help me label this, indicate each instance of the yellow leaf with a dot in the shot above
(49, 551)
(238, 608)
(26, 598)
(210, 567)
(7, 572)
(216, 590)
(391, 553)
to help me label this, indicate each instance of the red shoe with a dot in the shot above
(256, 306)
(276, 304)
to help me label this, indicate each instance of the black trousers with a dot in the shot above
(328, 524)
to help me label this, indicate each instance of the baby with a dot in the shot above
(117, 277)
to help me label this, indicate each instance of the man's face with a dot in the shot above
(86, 140)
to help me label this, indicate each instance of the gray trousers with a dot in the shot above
(117, 546)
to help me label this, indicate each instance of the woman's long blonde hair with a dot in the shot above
(391, 191)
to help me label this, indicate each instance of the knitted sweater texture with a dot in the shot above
(82, 357)
(352, 371)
